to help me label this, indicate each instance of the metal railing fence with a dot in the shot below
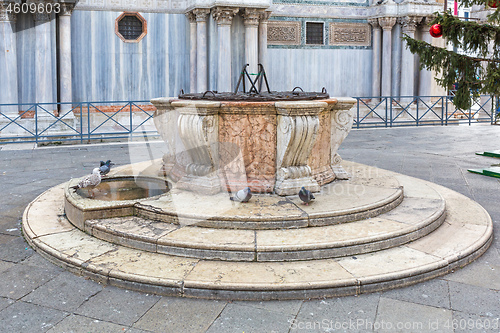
(84, 122)
(390, 111)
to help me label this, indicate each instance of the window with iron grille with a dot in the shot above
(314, 33)
(130, 27)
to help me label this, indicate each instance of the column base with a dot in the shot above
(293, 186)
(207, 185)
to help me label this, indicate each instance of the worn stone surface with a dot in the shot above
(409, 317)
(81, 324)
(209, 274)
(66, 292)
(180, 315)
(254, 320)
(25, 317)
(116, 306)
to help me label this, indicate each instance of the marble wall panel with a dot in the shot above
(248, 150)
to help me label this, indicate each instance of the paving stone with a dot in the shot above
(118, 306)
(238, 318)
(398, 316)
(481, 275)
(66, 292)
(470, 323)
(345, 314)
(181, 315)
(80, 324)
(15, 249)
(25, 317)
(433, 293)
(19, 280)
(474, 300)
(5, 302)
(285, 307)
(38, 261)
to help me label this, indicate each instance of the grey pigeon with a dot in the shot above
(242, 195)
(306, 195)
(90, 181)
(105, 167)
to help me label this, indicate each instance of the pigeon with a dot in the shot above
(305, 195)
(105, 167)
(242, 195)
(90, 181)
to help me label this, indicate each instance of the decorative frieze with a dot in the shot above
(350, 34)
(283, 33)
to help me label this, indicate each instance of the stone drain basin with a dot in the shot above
(125, 188)
(114, 197)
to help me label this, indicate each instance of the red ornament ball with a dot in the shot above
(436, 30)
(493, 4)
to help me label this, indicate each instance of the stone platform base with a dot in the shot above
(431, 232)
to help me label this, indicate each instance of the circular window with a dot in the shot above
(130, 27)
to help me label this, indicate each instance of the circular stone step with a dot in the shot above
(338, 202)
(415, 217)
(465, 234)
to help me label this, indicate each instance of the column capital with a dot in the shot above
(409, 23)
(4, 16)
(251, 16)
(191, 17)
(201, 14)
(224, 15)
(66, 9)
(426, 21)
(264, 16)
(387, 22)
(373, 21)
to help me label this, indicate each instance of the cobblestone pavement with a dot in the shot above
(37, 296)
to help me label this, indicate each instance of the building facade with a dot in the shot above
(111, 50)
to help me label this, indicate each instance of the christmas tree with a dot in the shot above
(476, 70)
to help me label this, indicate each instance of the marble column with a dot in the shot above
(65, 83)
(409, 25)
(264, 18)
(251, 21)
(201, 49)
(8, 62)
(224, 17)
(44, 89)
(425, 80)
(386, 23)
(376, 57)
(192, 51)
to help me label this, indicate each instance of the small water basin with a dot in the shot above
(125, 188)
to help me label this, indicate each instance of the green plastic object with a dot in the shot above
(490, 172)
(495, 153)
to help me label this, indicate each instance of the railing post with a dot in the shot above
(130, 132)
(446, 113)
(36, 124)
(88, 122)
(390, 111)
(357, 120)
(418, 118)
(442, 110)
(81, 124)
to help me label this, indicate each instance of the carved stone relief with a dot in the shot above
(350, 34)
(283, 33)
